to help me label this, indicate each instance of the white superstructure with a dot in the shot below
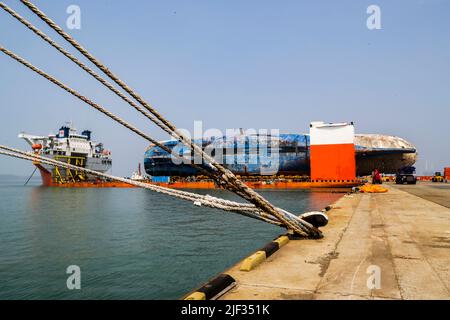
(70, 147)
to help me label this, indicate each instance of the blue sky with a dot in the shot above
(251, 64)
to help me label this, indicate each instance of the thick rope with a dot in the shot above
(76, 94)
(95, 105)
(197, 199)
(73, 92)
(93, 74)
(297, 225)
(193, 196)
(79, 63)
(109, 86)
(100, 79)
(243, 190)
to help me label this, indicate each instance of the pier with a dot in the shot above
(404, 232)
(244, 174)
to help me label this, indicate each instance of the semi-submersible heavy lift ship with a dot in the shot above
(387, 153)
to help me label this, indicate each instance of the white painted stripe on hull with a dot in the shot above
(331, 133)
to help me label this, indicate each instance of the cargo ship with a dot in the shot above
(73, 148)
(242, 155)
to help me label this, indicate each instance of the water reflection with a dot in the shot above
(129, 243)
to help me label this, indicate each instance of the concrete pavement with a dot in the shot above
(437, 192)
(405, 237)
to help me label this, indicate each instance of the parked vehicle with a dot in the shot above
(437, 177)
(406, 175)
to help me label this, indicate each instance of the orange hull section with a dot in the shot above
(208, 185)
(333, 162)
(49, 182)
(45, 175)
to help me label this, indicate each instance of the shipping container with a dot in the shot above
(164, 179)
(447, 172)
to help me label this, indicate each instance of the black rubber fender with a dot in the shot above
(316, 218)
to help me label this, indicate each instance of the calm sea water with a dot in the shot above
(129, 243)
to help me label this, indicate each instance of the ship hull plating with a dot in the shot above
(386, 153)
(65, 175)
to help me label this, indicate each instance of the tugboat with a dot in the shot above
(70, 147)
(137, 175)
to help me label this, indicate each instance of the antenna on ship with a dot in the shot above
(71, 126)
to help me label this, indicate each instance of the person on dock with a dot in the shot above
(376, 177)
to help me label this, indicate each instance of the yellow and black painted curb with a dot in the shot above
(221, 284)
(262, 254)
(213, 289)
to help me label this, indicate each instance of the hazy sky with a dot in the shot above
(251, 64)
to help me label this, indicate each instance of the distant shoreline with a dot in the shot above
(13, 176)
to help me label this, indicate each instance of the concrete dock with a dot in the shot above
(401, 233)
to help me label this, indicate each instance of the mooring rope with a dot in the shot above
(102, 81)
(73, 92)
(49, 40)
(194, 196)
(162, 124)
(231, 181)
(97, 106)
(204, 200)
(296, 224)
